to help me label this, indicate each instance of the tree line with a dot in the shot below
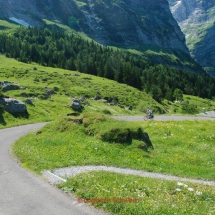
(61, 50)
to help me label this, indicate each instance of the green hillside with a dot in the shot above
(69, 51)
(36, 79)
(7, 25)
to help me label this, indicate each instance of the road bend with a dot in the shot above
(24, 193)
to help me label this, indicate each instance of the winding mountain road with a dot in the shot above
(23, 193)
(209, 116)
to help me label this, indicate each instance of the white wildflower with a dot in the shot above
(178, 189)
(190, 189)
(140, 195)
(199, 193)
(180, 184)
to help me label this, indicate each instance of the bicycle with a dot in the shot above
(147, 117)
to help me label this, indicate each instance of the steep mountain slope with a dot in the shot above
(196, 19)
(137, 24)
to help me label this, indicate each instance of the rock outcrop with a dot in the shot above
(7, 86)
(196, 19)
(146, 25)
(76, 104)
(12, 105)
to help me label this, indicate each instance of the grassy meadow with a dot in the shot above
(181, 148)
(35, 79)
(126, 194)
(8, 25)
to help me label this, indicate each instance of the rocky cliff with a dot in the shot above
(138, 24)
(196, 19)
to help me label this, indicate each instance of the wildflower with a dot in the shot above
(140, 195)
(178, 189)
(190, 189)
(180, 184)
(199, 193)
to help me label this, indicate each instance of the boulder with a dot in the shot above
(12, 105)
(97, 97)
(76, 104)
(56, 89)
(7, 86)
(29, 101)
(48, 93)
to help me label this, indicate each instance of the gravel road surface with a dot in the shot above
(69, 172)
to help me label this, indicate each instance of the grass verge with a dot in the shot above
(182, 148)
(124, 194)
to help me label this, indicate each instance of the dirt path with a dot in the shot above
(60, 175)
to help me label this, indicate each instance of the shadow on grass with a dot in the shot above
(21, 115)
(2, 121)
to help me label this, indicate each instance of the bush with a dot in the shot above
(189, 108)
(143, 106)
(106, 111)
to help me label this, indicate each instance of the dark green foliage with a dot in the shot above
(117, 135)
(1, 93)
(178, 94)
(114, 131)
(189, 108)
(106, 111)
(170, 83)
(123, 134)
(57, 49)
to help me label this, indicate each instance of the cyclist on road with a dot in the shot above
(149, 113)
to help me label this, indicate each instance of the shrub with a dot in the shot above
(106, 111)
(189, 108)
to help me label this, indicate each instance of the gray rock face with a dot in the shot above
(132, 23)
(10, 87)
(76, 104)
(13, 105)
(7, 86)
(144, 25)
(196, 19)
(126, 22)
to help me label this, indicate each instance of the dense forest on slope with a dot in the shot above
(57, 49)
